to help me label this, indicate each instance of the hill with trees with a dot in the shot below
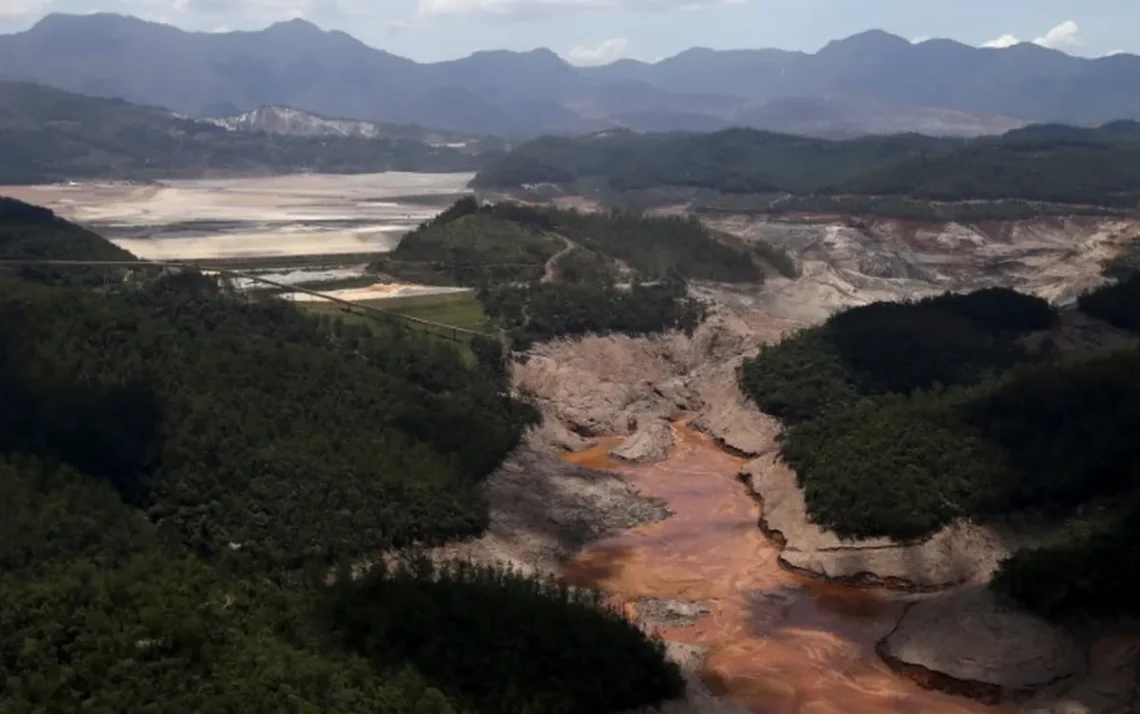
(543, 272)
(1094, 167)
(905, 417)
(183, 467)
(50, 135)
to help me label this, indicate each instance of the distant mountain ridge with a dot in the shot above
(870, 83)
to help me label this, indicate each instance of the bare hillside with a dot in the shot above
(847, 261)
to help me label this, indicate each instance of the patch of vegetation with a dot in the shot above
(467, 246)
(459, 309)
(1097, 167)
(542, 632)
(180, 468)
(32, 233)
(509, 242)
(50, 135)
(658, 248)
(904, 418)
(1117, 304)
(1043, 438)
(225, 378)
(542, 311)
(893, 348)
(1092, 568)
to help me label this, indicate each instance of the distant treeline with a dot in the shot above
(903, 417)
(1097, 167)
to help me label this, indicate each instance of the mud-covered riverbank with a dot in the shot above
(775, 641)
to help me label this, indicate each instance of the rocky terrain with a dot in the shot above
(955, 636)
(847, 261)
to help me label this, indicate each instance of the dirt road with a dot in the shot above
(550, 270)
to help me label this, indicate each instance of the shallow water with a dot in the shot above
(778, 642)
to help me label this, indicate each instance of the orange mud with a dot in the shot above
(778, 643)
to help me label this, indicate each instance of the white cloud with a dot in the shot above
(604, 53)
(919, 40)
(535, 8)
(20, 8)
(395, 28)
(1003, 41)
(1067, 34)
(1060, 37)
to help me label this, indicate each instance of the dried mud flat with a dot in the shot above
(301, 214)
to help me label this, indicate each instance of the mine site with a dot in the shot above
(653, 478)
(559, 381)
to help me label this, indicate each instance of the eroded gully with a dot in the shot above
(778, 642)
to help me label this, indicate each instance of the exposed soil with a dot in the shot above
(615, 385)
(848, 261)
(268, 216)
(1012, 651)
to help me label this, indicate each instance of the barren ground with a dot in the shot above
(632, 387)
(271, 216)
(846, 261)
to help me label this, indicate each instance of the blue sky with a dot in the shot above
(592, 31)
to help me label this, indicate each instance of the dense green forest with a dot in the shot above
(542, 311)
(1117, 304)
(905, 417)
(504, 250)
(893, 348)
(181, 467)
(1099, 167)
(471, 244)
(51, 135)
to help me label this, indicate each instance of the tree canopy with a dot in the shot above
(182, 469)
(903, 418)
(1096, 166)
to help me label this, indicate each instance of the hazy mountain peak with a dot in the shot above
(91, 21)
(296, 25)
(868, 41)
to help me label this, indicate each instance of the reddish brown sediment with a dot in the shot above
(777, 642)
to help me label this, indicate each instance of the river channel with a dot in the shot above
(778, 642)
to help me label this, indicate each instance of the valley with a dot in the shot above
(342, 371)
(652, 476)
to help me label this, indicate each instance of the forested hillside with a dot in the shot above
(905, 417)
(542, 272)
(180, 468)
(469, 244)
(50, 135)
(1097, 167)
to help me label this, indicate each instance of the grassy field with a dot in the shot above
(460, 310)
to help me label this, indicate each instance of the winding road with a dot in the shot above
(549, 274)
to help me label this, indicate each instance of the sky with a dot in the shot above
(598, 31)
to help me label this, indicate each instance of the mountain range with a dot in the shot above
(873, 82)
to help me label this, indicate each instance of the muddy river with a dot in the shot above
(778, 643)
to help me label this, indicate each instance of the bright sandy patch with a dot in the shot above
(270, 216)
(379, 291)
